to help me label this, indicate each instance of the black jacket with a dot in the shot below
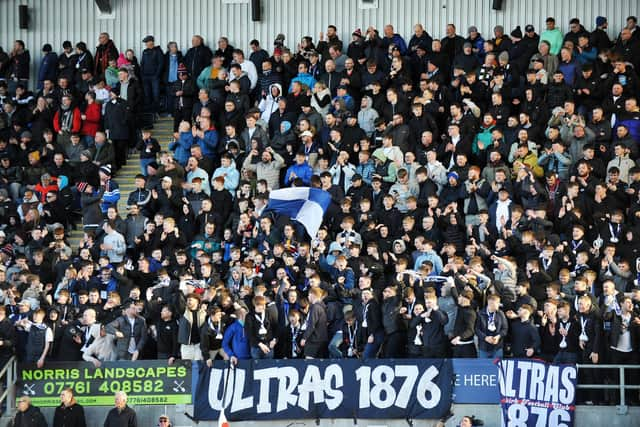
(524, 335)
(188, 88)
(433, 332)
(209, 340)
(316, 332)
(167, 338)
(32, 417)
(372, 316)
(125, 418)
(134, 97)
(465, 324)
(69, 416)
(253, 325)
(482, 331)
(8, 337)
(152, 63)
(115, 119)
(391, 318)
(19, 65)
(196, 59)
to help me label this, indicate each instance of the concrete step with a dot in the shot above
(163, 132)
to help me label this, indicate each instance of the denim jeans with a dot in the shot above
(371, 349)
(256, 353)
(143, 165)
(494, 354)
(565, 357)
(151, 88)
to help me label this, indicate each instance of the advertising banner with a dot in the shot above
(146, 383)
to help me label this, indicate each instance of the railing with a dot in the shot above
(8, 396)
(621, 386)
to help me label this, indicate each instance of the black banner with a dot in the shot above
(348, 388)
(146, 383)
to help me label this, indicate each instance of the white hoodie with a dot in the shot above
(269, 104)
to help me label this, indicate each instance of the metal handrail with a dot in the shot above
(621, 386)
(9, 394)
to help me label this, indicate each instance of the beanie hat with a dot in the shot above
(517, 33)
(7, 249)
(106, 169)
(504, 56)
(122, 61)
(81, 186)
(357, 32)
(600, 21)
(86, 153)
(286, 124)
(453, 175)
(182, 69)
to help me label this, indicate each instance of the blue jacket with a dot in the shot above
(349, 103)
(302, 171)
(152, 63)
(182, 147)
(429, 256)
(111, 196)
(48, 68)
(366, 170)
(232, 178)
(209, 143)
(235, 341)
(632, 122)
(399, 42)
(570, 71)
(349, 276)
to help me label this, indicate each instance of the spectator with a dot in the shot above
(70, 413)
(553, 36)
(28, 415)
(234, 343)
(190, 324)
(122, 415)
(130, 332)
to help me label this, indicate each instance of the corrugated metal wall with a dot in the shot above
(54, 21)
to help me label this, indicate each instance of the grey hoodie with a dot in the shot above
(367, 116)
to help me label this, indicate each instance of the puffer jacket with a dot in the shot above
(185, 322)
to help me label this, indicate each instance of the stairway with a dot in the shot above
(163, 132)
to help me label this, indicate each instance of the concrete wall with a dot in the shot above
(586, 416)
(53, 21)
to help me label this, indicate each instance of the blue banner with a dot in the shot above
(348, 388)
(476, 381)
(534, 393)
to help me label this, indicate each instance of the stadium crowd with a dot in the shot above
(485, 199)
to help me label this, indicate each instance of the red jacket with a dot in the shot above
(75, 126)
(42, 190)
(91, 124)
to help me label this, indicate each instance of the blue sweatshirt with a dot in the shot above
(209, 143)
(235, 342)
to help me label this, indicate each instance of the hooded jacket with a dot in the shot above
(269, 104)
(367, 116)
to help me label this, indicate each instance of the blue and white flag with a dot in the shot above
(303, 204)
